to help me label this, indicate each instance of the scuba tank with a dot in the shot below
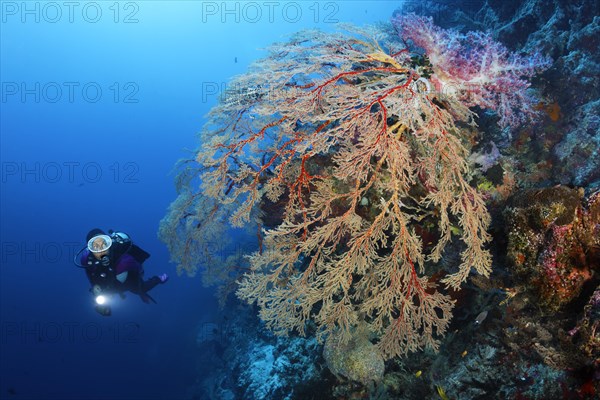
(124, 244)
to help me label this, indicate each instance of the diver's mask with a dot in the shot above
(100, 244)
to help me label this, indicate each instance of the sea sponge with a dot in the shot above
(358, 359)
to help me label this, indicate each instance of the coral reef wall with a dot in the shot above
(569, 32)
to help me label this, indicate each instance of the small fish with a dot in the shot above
(418, 374)
(235, 60)
(464, 353)
(441, 392)
(481, 317)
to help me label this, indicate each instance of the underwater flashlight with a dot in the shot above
(100, 300)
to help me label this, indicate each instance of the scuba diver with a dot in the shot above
(113, 265)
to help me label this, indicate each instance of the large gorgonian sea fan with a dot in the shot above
(337, 145)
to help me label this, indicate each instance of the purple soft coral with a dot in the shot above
(475, 68)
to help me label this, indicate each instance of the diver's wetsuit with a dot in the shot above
(107, 277)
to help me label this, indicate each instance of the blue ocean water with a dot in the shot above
(99, 100)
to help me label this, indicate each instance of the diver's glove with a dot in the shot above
(163, 278)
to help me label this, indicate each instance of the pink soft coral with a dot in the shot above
(476, 69)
